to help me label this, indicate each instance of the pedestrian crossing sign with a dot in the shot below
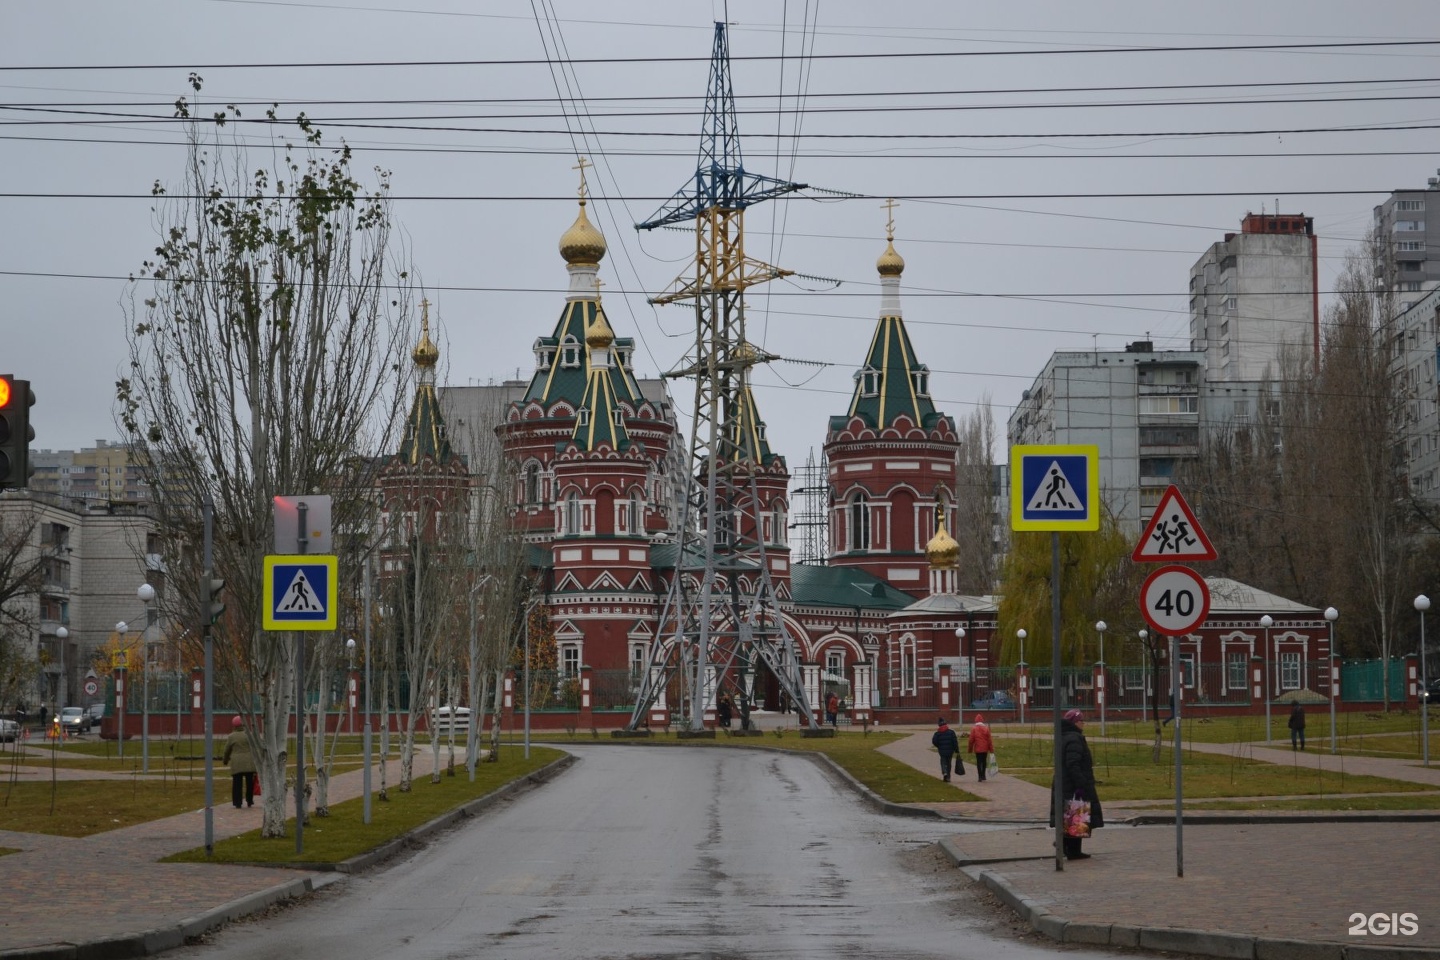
(1055, 487)
(301, 592)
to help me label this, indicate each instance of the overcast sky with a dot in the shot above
(481, 156)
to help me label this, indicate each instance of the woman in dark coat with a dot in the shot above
(1077, 776)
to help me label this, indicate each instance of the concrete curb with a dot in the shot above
(1209, 943)
(160, 939)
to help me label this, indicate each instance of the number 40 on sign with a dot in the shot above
(1174, 600)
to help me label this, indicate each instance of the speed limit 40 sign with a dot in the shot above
(1174, 600)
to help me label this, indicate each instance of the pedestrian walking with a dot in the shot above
(832, 708)
(1297, 725)
(1077, 777)
(948, 744)
(241, 763)
(723, 710)
(744, 712)
(981, 743)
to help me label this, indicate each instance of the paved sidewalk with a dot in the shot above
(1254, 887)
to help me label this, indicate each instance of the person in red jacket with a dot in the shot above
(980, 743)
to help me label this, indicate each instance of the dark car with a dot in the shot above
(1431, 694)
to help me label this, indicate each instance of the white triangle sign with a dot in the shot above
(1055, 494)
(299, 597)
(1173, 533)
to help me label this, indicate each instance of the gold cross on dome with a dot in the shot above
(598, 283)
(890, 206)
(581, 167)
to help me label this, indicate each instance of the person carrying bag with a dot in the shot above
(983, 747)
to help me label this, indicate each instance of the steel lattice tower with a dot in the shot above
(708, 625)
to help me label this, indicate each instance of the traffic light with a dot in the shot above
(211, 604)
(16, 398)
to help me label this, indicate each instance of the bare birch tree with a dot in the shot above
(263, 359)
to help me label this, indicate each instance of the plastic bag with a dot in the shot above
(992, 767)
(1077, 817)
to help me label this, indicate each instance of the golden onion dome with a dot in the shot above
(426, 353)
(942, 550)
(890, 264)
(582, 243)
(598, 334)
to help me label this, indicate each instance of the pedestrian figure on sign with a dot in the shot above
(945, 741)
(1056, 490)
(1297, 726)
(301, 596)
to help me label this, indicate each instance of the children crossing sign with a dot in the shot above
(1173, 533)
(1055, 487)
(301, 592)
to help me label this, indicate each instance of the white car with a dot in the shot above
(9, 730)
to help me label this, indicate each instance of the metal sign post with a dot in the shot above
(1179, 767)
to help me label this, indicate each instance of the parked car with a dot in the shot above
(9, 730)
(1431, 694)
(96, 712)
(74, 721)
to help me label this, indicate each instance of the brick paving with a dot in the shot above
(1300, 880)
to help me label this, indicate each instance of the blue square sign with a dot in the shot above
(300, 592)
(1055, 487)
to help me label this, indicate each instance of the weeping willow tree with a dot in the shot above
(1097, 582)
(264, 335)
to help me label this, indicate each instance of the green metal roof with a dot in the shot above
(561, 382)
(425, 434)
(892, 359)
(814, 585)
(745, 433)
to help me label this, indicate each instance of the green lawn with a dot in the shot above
(344, 834)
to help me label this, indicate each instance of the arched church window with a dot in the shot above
(572, 513)
(532, 483)
(920, 379)
(870, 380)
(635, 523)
(860, 522)
(778, 521)
(543, 355)
(582, 417)
(908, 667)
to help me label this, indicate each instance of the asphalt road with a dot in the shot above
(655, 853)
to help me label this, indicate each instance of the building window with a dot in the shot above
(860, 522)
(1290, 671)
(1235, 671)
(778, 522)
(637, 662)
(1187, 670)
(921, 381)
(1409, 225)
(570, 353)
(532, 483)
(869, 382)
(635, 522)
(570, 660)
(1169, 405)
(1410, 245)
(1410, 205)
(582, 417)
(572, 513)
(835, 663)
(908, 669)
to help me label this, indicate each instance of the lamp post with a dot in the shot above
(1024, 673)
(1145, 661)
(1332, 615)
(1267, 622)
(1100, 629)
(960, 703)
(61, 634)
(349, 687)
(146, 593)
(121, 693)
(1422, 603)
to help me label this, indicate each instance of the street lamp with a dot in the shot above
(960, 703)
(350, 687)
(1100, 629)
(1267, 622)
(1145, 661)
(61, 634)
(121, 693)
(1024, 673)
(146, 593)
(1422, 603)
(1332, 615)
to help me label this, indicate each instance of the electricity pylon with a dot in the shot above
(708, 622)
